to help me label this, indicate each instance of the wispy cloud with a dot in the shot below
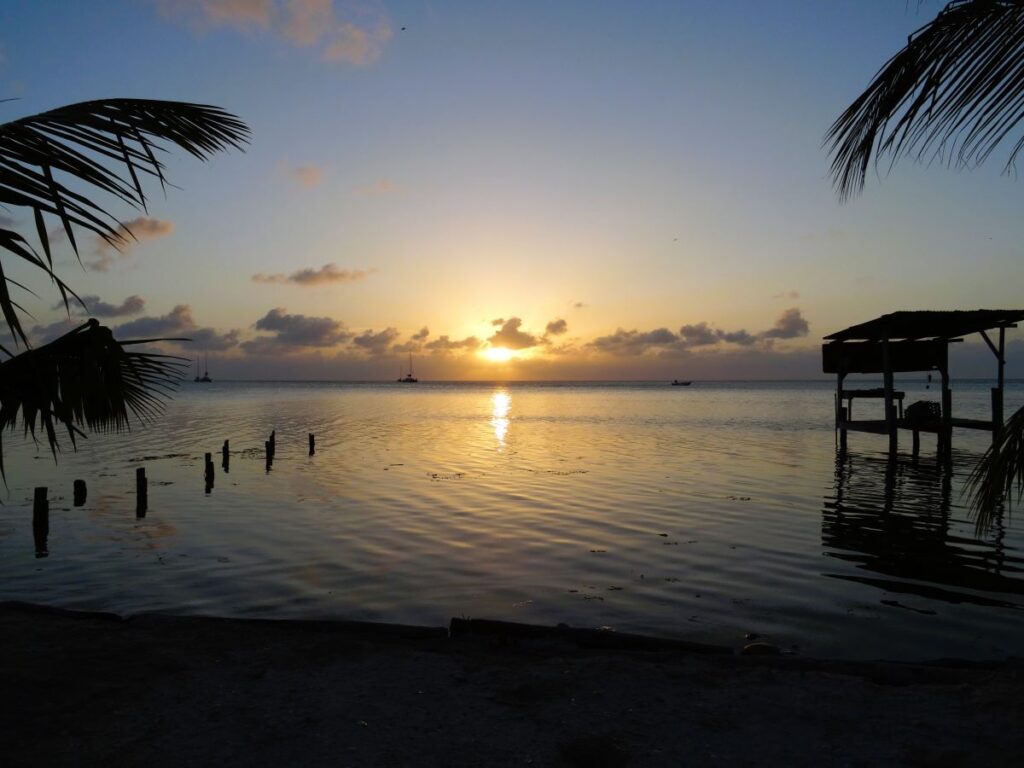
(787, 295)
(325, 275)
(306, 176)
(139, 230)
(380, 188)
(349, 32)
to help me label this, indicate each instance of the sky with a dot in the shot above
(530, 190)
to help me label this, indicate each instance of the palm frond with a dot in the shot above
(109, 145)
(84, 378)
(1000, 472)
(953, 94)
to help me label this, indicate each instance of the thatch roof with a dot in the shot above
(929, 325)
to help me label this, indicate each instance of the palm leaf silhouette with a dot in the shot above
(84, 378)
(953, 94)
(47, 163)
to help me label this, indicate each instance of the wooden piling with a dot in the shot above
(141, 492)
(225, 456)
(80, 492)
(208, 472)
(40, 521)
(269, 448)
(312, 444)
(917, 443)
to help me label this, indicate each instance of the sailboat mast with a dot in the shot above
(410, 363)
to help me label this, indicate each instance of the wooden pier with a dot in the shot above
(918, 342)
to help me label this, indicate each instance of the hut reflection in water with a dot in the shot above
(899, 522)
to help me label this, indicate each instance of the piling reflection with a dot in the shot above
(901, 522)
(501, 402)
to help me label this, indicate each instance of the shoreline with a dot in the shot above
(168, 690)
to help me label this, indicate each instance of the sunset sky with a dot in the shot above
(529, 190)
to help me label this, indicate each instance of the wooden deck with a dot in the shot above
(878, 427)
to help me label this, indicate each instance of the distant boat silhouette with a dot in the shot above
(678, 383)
(408, 378)
(205, 378)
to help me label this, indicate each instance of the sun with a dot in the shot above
(498, 354)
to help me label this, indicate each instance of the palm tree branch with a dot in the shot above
(954, 93)
(87, 378)
(108, 145)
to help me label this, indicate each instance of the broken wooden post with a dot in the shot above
(80, 493)
(312, 444)
(890, 411)
(141, 492)
(225, 456)
(273, 442)
(208, 472)
(269, 448)
(40, 521)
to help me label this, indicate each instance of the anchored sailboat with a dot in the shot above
(408, 378)
(205, 378)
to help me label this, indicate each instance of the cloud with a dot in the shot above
(177, 323)
(421, 334)
(699, 335)
(556, 327)
(379, 188)
(131, 233)
(787, 295)
(178, 320)
(95, 307)
(328, 273)
(376, 343)
(295, 331)
(239, 14)
(358, 45)
(634, 342)
(578, 305)
(307, 176)
(789, 325)
(511, 337)
(444, 344)
(352, 33)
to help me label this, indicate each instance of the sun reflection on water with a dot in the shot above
(501, 402)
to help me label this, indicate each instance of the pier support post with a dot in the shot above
(269, 448)
(208, 472)
(80, 493)
(141, 492)
(40, 521)
(312, 444)
(225, 457)
(890, 411)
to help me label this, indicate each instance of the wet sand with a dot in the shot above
(87, 689)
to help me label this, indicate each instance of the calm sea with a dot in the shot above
(703, 512)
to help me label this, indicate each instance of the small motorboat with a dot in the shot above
(678, 383)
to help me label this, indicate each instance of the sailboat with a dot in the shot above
(205, 378)
(408, 378)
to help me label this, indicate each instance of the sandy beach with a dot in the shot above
(154, 690)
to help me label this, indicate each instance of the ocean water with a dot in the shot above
(705, 512)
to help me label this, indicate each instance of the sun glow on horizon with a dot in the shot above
(498, 354)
